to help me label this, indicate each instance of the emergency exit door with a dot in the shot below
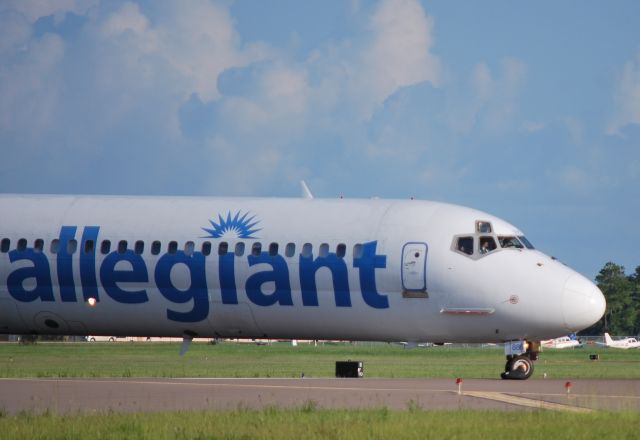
(414, 267)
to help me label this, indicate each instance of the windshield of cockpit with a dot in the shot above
(485, 241)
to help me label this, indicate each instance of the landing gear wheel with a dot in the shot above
(518, 368)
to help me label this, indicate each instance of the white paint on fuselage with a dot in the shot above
(525, 287)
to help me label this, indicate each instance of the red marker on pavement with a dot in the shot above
(567, 386)
(459, 383)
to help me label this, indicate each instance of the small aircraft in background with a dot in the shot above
(570, 341)
(620, 343)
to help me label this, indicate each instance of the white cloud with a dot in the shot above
(574, 179)
(115, 90)
(33, 10)
(127, 19)
(575, 127)
(501, 109)
(626, 97)
(398, 55)
(533, 126)
(489, 102)
(30, 89)
(483, 84)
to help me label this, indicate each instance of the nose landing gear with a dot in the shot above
(520, 357)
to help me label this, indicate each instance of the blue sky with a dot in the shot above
(528, 111)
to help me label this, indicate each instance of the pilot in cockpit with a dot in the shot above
(487, 244)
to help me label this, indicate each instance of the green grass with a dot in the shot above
(310, 423)
(283, 360)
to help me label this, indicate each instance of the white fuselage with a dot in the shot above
(386, 270)
(625, 343)
(562, 342)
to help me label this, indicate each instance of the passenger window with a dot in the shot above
(188, 248)
(104, 249)
(223, 248)
(139, 247)
(273, 249)
(206, 248)
(256, 249)
(72, 246)
(5, 245)
(55, 246)
(38, 245)
(509, 242)
(526, 242)
(239, 249)
(357, 251)
(341, 250)
(88, 246)
(173, 247)
(487, 244)
(155, 247)
(465, 245)
(22, 245)
(323, 252)
(122, 246)
(483, 227)
(307, 250)
(290, 250)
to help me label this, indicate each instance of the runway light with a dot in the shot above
(92, 302)
(567, 386)
(459, 383)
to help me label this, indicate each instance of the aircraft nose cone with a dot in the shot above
(583, 303)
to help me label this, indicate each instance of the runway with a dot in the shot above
(70, 396)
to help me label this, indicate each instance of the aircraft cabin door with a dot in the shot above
(414, 268)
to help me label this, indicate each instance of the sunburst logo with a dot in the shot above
(240, 226)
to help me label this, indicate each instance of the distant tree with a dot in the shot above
(635, 277)
(635, 296)
(620, 316)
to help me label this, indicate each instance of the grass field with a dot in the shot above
(282, 360)
(311, 423)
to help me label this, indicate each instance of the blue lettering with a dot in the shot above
(227, 278)
(197, 291)
(279, 276)
(65, 268)
(110, 277)
(40, 271)
(338, 268)
(88, 263)
(120, 272)
(368, 263)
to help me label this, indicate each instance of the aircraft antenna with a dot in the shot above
(306, 192)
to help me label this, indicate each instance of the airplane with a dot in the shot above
(562, 342)
(625, 343)
(283, 268)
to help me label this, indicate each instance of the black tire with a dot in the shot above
(112, 339)
(92, 339)
(518, 368)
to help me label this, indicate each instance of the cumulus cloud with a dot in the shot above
(399, 53)
(488, 101)
(626, 97)
(33, 10)
(158, 91)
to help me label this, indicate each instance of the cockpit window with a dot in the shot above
(465, 245)
(510, 242)
(487, 244)
(526, 242)
(483, 227)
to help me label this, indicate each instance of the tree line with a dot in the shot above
(622, 292)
